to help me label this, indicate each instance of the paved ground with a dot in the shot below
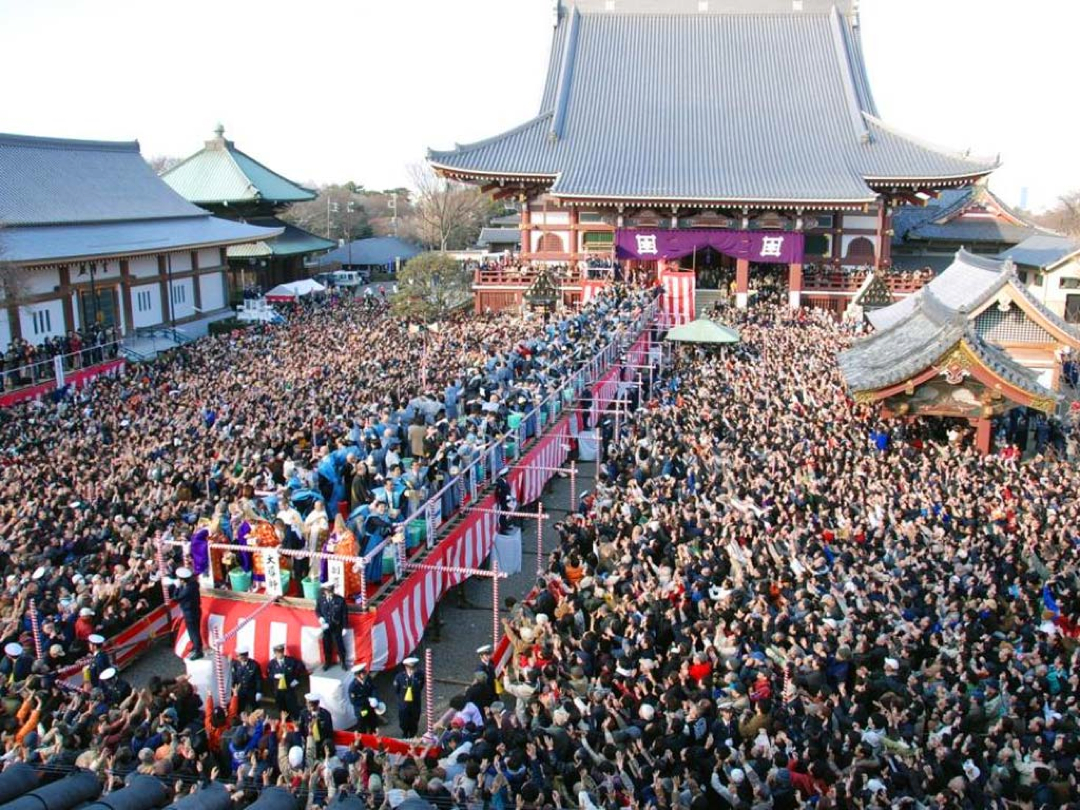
(465, 627)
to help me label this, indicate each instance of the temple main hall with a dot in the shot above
(718, 141)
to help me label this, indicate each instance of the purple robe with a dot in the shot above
(241, 540)
(200, 551)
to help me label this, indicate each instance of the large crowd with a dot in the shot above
(770, 599)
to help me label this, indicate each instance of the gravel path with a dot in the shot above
(465, 626)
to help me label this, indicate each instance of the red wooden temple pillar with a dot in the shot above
(742, 282)
(883, 254)
(794, 285)
(983, 434)
(526, 237)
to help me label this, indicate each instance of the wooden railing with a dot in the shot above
(899, 283)
(522, 276)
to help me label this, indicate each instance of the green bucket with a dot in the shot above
(310, 587)
(388, 559)
(240, 580)
(415, 534)
(511, 448)
(514, 420)
(568, 394)
(286, 580)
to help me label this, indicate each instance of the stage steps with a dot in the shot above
(704, 300)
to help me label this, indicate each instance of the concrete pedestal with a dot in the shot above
(588, 445)
(201, 675)
(507, 550)
(332, 687)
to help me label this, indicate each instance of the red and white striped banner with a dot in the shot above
(399, 621)
(679, 291)
(297, 627)
(127, 645)
(529, 477)
(590, 288)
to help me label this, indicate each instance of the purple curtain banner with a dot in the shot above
(763, 247)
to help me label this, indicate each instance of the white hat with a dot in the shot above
(892, 663)
(296, 756)
(526, 634)
(485, 650)
(411, 662)
(360, 667)
(183, 572)
(108, 674)
(327, 584)
(86, 611)
(94, 638)
(13, 648)
(542, 618)
(243, 651)
(39, 572)
(647, 712)
(971, 770)
(311, 697)
(737, 776)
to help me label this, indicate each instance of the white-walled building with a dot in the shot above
(1050, 266)
(89, 233)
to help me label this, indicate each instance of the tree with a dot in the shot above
(430, 287)
(12, 279)
(344, 218)
(1065, 216)
(162, 163)
(446, 214)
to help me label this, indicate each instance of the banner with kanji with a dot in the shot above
(762, 247)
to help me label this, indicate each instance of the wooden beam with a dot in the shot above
(484, 189)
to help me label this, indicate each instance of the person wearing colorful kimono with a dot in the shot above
(342, 541)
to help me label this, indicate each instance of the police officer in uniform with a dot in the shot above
(185, 592)
(504, 498)
(247, 680)
(487, 669)
(409, 688)
(284, 672)
(361, 691)
(114, 688)
(99, 660)
(317, 729)
(332, 612)
(16, 664)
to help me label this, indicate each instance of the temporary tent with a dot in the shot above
(294, 290)
(703, 331)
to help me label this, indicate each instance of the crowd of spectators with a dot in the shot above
(760, 604)
(25, 363)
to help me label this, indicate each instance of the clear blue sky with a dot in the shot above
(330, 90)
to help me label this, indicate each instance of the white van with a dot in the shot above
(348, 278)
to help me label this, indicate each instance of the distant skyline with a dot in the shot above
(336, 91)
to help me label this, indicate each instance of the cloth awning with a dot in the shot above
(703, 331)
(294, 290)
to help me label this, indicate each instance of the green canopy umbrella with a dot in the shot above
(703, 331)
